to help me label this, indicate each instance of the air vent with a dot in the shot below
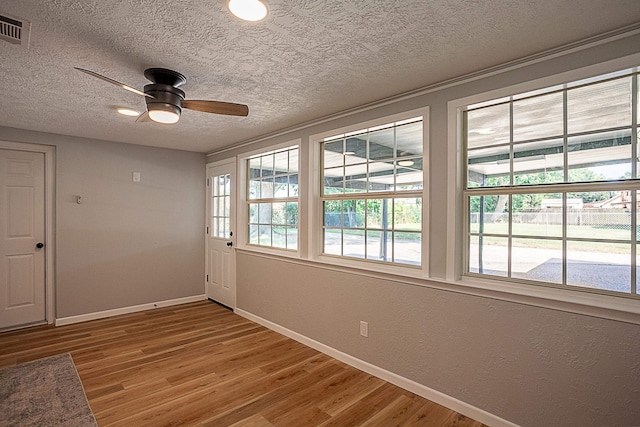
(15, 30)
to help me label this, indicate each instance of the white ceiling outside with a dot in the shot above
(308, 59)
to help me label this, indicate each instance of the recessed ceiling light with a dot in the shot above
(128, 112)
(249, 10)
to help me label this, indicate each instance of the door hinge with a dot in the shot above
(207, 182)
(207, 278)
(207, 230)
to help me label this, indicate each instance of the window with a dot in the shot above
(371, 193)
(272, 198)
(220, 206)
(551, 193)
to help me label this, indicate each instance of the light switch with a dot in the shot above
(364, 329)
(136, 177)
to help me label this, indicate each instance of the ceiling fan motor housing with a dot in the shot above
(165, 76)
(165, 97)
(164, 90)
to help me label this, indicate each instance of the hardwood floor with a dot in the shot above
(200, 364)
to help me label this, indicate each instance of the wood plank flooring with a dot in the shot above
(200, 364)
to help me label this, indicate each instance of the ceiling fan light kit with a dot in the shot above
(164, 113)
(249, 10)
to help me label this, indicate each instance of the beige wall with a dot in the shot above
(127, 243)
(529, 365)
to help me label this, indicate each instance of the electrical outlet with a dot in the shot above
(364, 329)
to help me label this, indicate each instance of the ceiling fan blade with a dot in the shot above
(144, 117)
(114, 82)
(217, 107)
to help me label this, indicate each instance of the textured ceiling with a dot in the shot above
(308, 59)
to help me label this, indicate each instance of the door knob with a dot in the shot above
(39, 245)
(229, 244)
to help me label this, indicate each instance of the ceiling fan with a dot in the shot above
(165, 101)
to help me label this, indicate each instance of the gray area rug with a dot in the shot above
(45, 392)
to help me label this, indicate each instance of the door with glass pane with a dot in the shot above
(220, 260)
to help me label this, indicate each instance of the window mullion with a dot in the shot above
(510, 239)
(565, 139)
(634, 192)
(565, 160)
(374, 196)
(274, 200)
(344, 165)
(564, 238)
(634, 248)
(512, 181)
(554, 188)
(634, 126)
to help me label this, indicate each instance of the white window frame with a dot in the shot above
(600, 305)
(243, 201)
(314, 200)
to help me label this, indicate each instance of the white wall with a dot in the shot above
(529, 365)
(128, 243)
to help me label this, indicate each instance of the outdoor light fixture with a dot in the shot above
(164, 113)
(405, 163)
(249, 10)
(485, 131)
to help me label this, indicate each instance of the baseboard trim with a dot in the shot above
(400, 381)
(126, 310)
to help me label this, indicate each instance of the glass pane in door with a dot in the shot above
(220, 203)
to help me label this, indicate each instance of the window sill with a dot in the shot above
(610, 307)
(596, 305)
(401, 270)
(276, 252)
(374, 269)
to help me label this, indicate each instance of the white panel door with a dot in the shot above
(22, 232)
(221, 269)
